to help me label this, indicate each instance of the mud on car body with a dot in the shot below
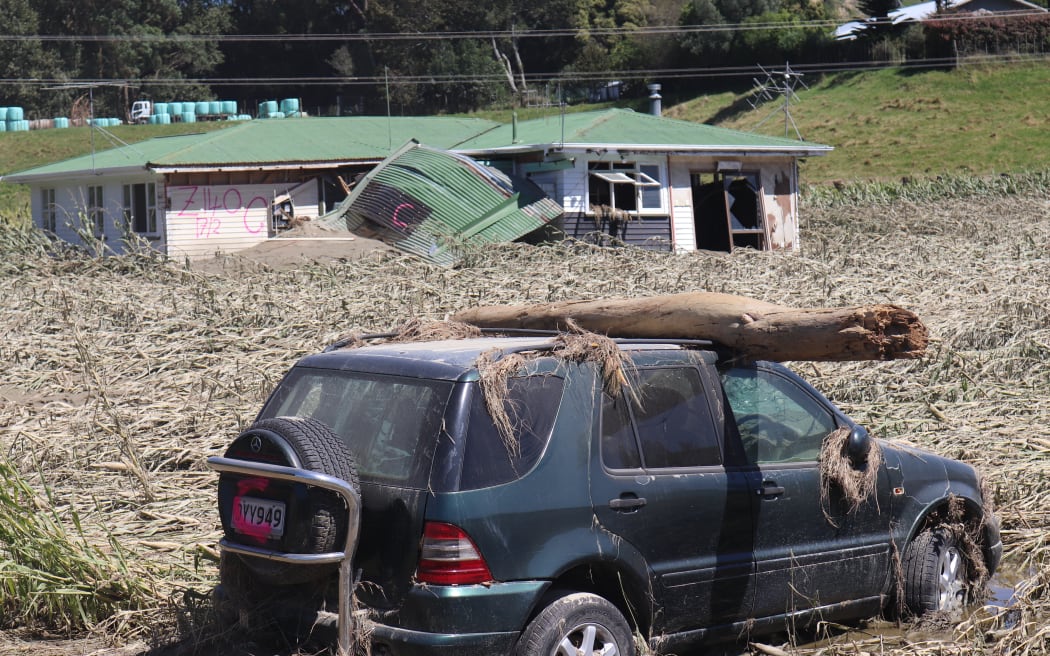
(685, 508)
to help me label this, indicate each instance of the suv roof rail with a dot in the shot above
(524, 332)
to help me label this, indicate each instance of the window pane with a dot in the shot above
(673, 419)
(391, 424)
(651, 195)
(778, 420)
(139, 205)
(619, 447)
(531, 405)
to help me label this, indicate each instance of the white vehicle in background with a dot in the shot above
(141, 110)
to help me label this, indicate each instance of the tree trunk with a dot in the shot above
(758, 330)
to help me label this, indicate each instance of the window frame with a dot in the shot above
(150, 208)
(48, 210)
(800, 389)
(630, 172)
(717, 442)
(96, 212)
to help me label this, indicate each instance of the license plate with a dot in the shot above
(258, 517)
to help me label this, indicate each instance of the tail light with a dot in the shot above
(449, 557)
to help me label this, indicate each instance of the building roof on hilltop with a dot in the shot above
(924, 10)
(626, 129)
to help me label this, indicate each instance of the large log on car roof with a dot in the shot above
(756, 329)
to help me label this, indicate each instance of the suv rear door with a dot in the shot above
(391, 425)
(658, 482)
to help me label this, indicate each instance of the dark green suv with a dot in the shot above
(691, 504)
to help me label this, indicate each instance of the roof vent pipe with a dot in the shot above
(514, 127)
(654, 100)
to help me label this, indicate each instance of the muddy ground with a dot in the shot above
(122, 375)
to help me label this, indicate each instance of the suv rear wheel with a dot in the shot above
(578, 624)
(935, 573)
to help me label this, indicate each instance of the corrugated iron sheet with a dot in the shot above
(436, 204)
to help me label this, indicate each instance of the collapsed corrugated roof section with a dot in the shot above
(437, 204)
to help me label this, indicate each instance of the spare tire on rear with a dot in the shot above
(316, 518)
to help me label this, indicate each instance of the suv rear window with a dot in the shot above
(532, 405)
(390, 423)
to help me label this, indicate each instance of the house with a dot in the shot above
(657, 182)
(653, 181)
(193, 195)
(922, 11)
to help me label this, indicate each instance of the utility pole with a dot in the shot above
(778, 83)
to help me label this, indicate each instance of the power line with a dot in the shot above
(532, 78)
(652, 30)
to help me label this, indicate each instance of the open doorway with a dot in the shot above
(727, 211)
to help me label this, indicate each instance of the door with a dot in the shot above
(660, 485)
(710, 218)
(809, 551)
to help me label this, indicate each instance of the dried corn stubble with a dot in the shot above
(186, 358)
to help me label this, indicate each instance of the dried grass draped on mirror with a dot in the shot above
(857, 485)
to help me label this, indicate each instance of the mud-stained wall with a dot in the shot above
(779, 197)
(780, 206)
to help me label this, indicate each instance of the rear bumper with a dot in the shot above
(462, 620)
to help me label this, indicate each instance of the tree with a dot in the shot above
(878, 11)
(147, 51)
(21, 62)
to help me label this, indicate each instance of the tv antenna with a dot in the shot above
(778, 84)
(92, 123)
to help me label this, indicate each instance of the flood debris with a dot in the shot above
(757, 329)
(856, 484)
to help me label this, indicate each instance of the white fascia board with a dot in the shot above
(655, 149)
(286, 166)
(68, 175)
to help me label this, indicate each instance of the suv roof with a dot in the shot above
(450, 359)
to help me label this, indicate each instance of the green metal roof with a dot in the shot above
(274, 142)
(301, 141)
(433, 202)
(623, 127)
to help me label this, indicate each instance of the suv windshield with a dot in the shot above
(390, 423)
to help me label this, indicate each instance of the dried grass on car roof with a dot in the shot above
(122, 375)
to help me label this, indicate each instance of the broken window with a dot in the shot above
(727, 210)
(778, 421)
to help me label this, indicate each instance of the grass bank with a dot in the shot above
(889, 124)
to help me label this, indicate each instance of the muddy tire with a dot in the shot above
(577, 624)
(322, 528)
(936, 574)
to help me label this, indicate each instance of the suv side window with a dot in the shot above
(489, 458)
(662, 421)
(778, 420)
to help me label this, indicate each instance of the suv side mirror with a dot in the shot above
(858, 446)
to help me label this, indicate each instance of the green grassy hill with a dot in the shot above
(884, 125)
(894, 123)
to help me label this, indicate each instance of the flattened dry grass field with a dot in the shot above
(122, 374)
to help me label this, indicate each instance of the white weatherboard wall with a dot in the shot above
(72, 215)
(202, 220)
(682, 224)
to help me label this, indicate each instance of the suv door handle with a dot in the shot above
(770, 489)
(627, 503)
